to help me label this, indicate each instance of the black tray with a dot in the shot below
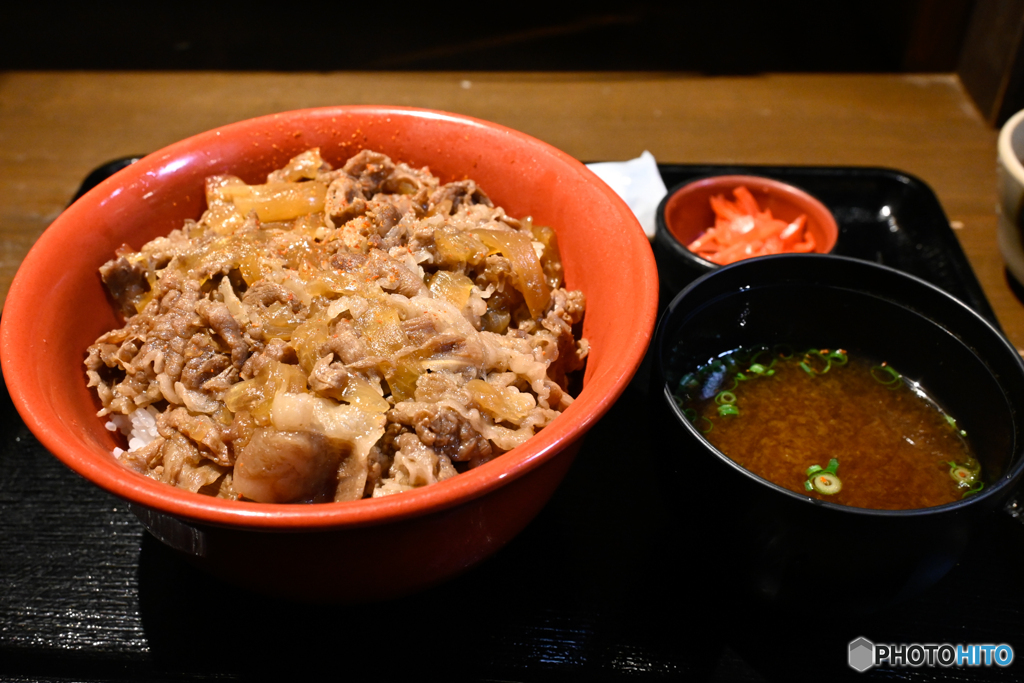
(602, 586)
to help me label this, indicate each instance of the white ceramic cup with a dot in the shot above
(1010, 173)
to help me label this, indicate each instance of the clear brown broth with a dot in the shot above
(893, 445)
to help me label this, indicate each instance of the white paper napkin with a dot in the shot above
(638, 182)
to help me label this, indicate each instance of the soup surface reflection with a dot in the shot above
(831, 425)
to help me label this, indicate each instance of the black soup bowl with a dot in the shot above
(791, 550)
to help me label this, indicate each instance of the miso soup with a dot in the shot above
(832, 425)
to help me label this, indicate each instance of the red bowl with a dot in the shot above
(686, 212)
(57, 306)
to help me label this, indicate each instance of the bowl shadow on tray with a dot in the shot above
(589, 588)
(812, 646)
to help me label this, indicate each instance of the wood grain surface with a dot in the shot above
(55, 127)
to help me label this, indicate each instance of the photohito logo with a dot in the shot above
(863, 654)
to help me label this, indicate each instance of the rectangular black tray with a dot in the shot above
(599, 587)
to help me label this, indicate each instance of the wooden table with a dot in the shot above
(84, 592)
(56, 127)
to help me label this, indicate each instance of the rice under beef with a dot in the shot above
(335, 334)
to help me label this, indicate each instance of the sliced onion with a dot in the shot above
(454, 288)
(278, 201)
(507, 405)
(196, 401)
(518, 249)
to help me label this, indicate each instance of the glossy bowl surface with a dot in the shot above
(57, 307)
(777, 543)
(685, 212)
(1010, 182)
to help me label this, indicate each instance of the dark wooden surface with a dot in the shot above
(56, 126)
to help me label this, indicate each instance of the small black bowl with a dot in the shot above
(786, 548)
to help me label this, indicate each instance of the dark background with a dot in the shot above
(705, 37)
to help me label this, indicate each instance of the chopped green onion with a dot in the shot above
(978, 486)
(839, 357)
(886, 376)
(952, 423)
(783, 351)
(728, 409)
(754, 361)
(691, 415)
(966, 474)
(809, 357)
(824, 480)
(962, 474)
(826, 483)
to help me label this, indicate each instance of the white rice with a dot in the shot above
(139, 427)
